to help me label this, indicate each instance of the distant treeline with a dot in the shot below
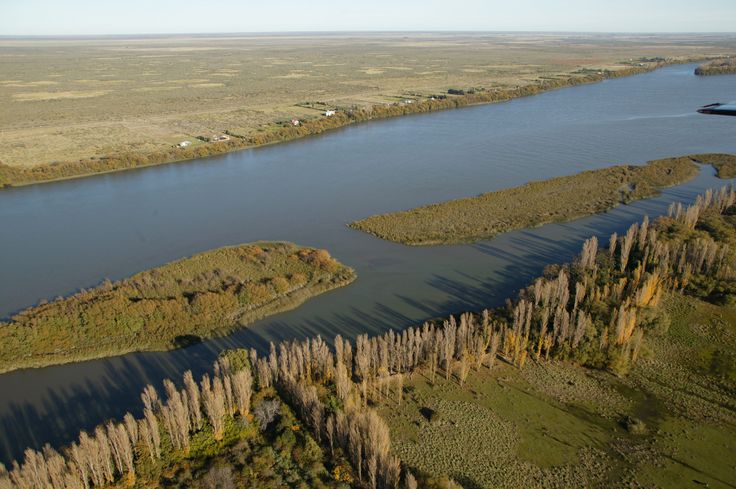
(726, 66)
(533, 204)
(595, 312)
(275, 133)
(170, 306)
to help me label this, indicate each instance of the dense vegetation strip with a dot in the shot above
(536, 203)
(207, 294)
(597, 312)
(726, 66)
(275, 133)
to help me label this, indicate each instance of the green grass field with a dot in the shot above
(552, 424)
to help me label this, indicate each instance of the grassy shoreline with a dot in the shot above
(209, 294)
(12, 176)
(725, 66)
(725, 164)
(533, 204)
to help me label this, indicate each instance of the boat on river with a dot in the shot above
(719, 109)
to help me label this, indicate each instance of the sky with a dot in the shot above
(93, 17)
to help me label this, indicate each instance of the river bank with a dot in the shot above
(12, 176)
(725, 66)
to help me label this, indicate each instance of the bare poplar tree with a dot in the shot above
(495, 342)
(193, 399)
(590, 251)
(626, 244)
(242, 382)
(213, 398)
(150, 402)
(373, 470)
(612, 242)
(330, 431)
(464, 369)
(131, 426)
(5, 478)
(56, 466)
(410, 481)
(177, 417)
(79, 460)
(400, 387)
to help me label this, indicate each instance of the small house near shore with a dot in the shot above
(329, 113)
(221, 137)
(183, 144)
(296, 122)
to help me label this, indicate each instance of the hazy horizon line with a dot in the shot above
(338, 32)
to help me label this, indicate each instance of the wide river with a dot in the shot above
(57, 238)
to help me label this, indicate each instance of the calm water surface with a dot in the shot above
(57, 238)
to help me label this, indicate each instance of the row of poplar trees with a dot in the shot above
(594, 311)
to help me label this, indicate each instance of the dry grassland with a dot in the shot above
(71, 99)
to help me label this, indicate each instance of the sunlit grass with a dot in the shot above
(208, 294)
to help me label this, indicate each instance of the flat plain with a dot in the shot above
(68, 99)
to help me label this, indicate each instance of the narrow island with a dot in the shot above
(208, 294)
(726, 66)
(536, 203)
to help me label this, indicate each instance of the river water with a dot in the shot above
(59, 237)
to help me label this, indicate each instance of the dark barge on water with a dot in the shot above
(719, 109)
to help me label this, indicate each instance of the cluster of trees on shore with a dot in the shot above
(15, 176)
(135, 449)
(595, 312)
(726, 66)
(197, 297)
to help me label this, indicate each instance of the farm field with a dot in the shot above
(72, 99)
